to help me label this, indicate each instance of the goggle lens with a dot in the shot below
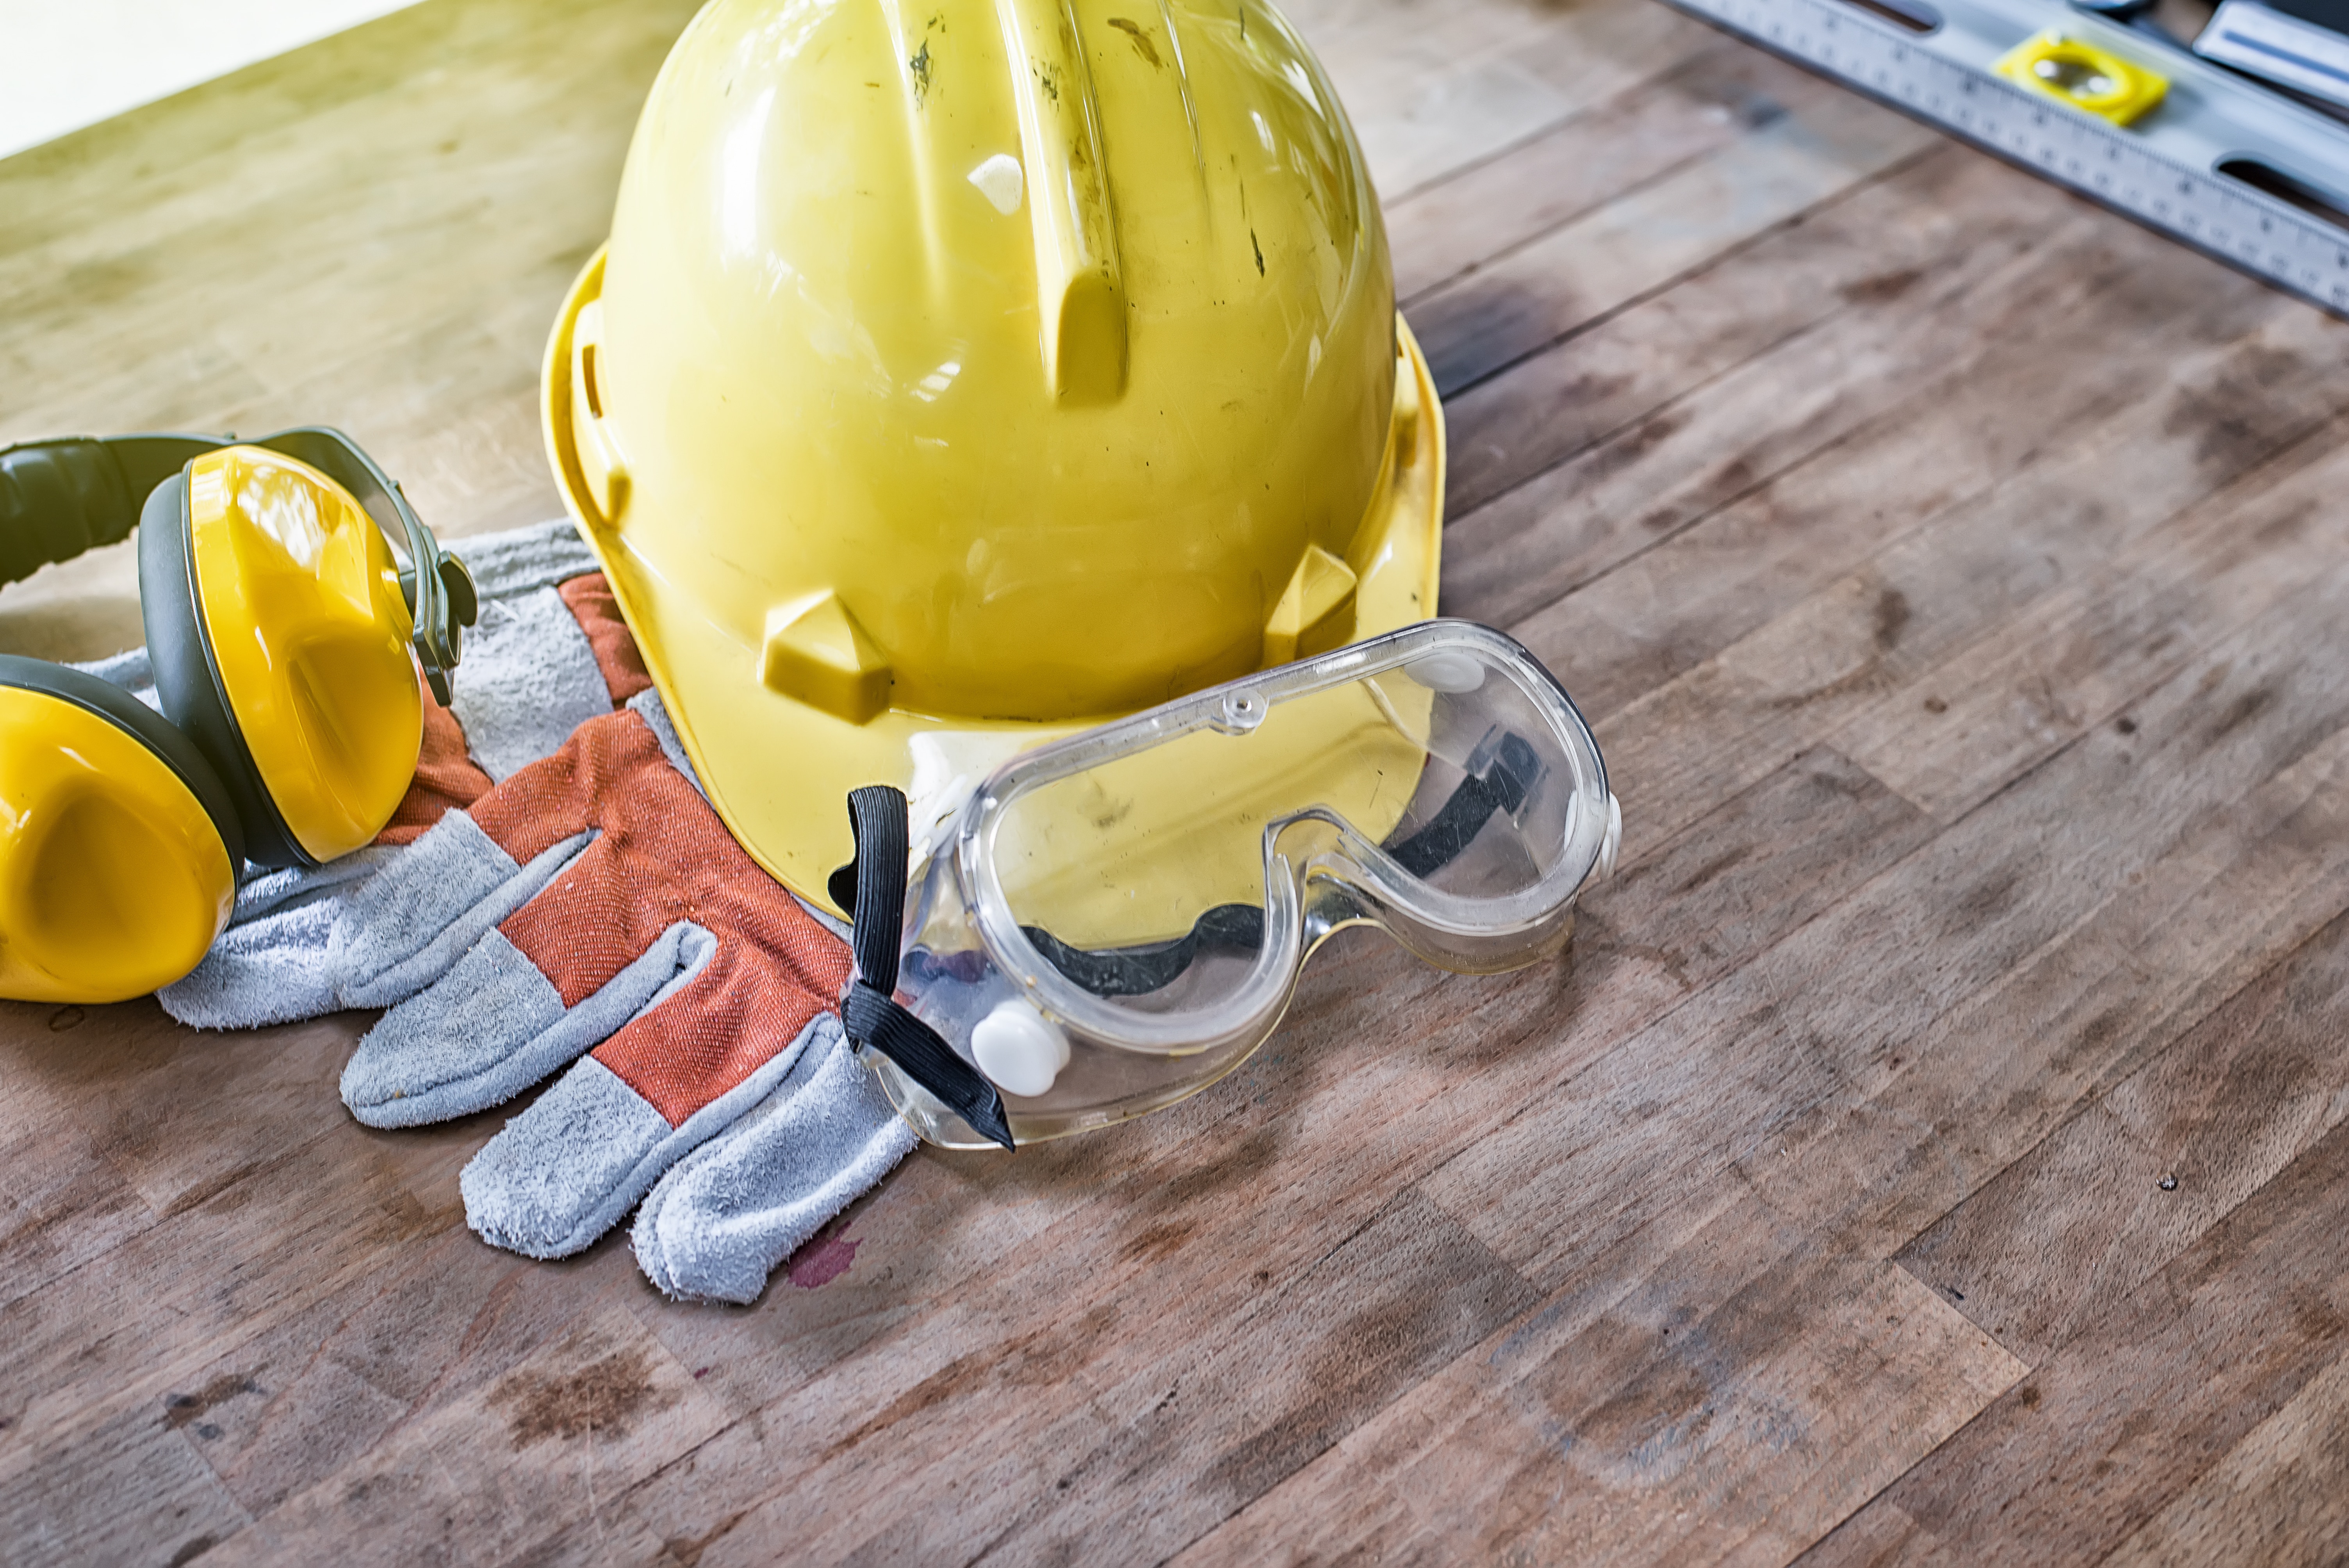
(1136, 901)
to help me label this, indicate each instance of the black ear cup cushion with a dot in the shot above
(126, 712)
(179, 648)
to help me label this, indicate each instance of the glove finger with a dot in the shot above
(718, 1224)
(495, 1026)
(432, 904)
(565, 1171)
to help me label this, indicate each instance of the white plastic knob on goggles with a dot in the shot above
(1113, 921)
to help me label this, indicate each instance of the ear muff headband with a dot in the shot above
(62, 497)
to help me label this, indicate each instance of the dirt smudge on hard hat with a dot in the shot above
(604, 1397)
(1141, 36)
(1047, 1355)
(919, 67)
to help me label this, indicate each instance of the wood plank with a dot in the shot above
(1854, 386)
(1697, 1417)
(2280, 1497)
(1721, 1075)
(2125, 623)
(128, 1490)
(1202, 1434)
(2154, 1388)
(1523, 302)
(1138, 1211)
(318, 1389)
(1825, 1200)
(1933, 1122)
(1866, 253)
(1434, 86)
(2114, 1193)
(64, 1203)
(239, 1255)
(1792, 612)
(570, 1426)
(1721, 93)
(1831, 1189)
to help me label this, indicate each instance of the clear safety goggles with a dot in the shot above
(1112, 921)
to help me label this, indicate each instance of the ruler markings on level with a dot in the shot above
(2209, 210)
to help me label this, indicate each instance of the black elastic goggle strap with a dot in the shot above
(1502, 787)
(1138, 971)
(870, 1011)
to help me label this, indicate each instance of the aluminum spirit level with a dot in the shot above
(2224, 164)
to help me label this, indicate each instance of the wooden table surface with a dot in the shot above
(1931, 1150)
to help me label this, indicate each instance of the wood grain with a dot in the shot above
(2281, 1496)
(2158, 1384)
(2116, 1192)
(1953, 573)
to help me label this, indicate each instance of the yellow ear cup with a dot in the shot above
(309, 635)
(113, 879)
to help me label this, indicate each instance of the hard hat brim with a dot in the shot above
(778, 771)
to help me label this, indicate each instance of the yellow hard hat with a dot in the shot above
(960, 376)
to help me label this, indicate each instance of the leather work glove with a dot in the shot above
(593, 905)
(773, 1154)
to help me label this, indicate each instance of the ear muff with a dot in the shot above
(280, 640)
(119, 846)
